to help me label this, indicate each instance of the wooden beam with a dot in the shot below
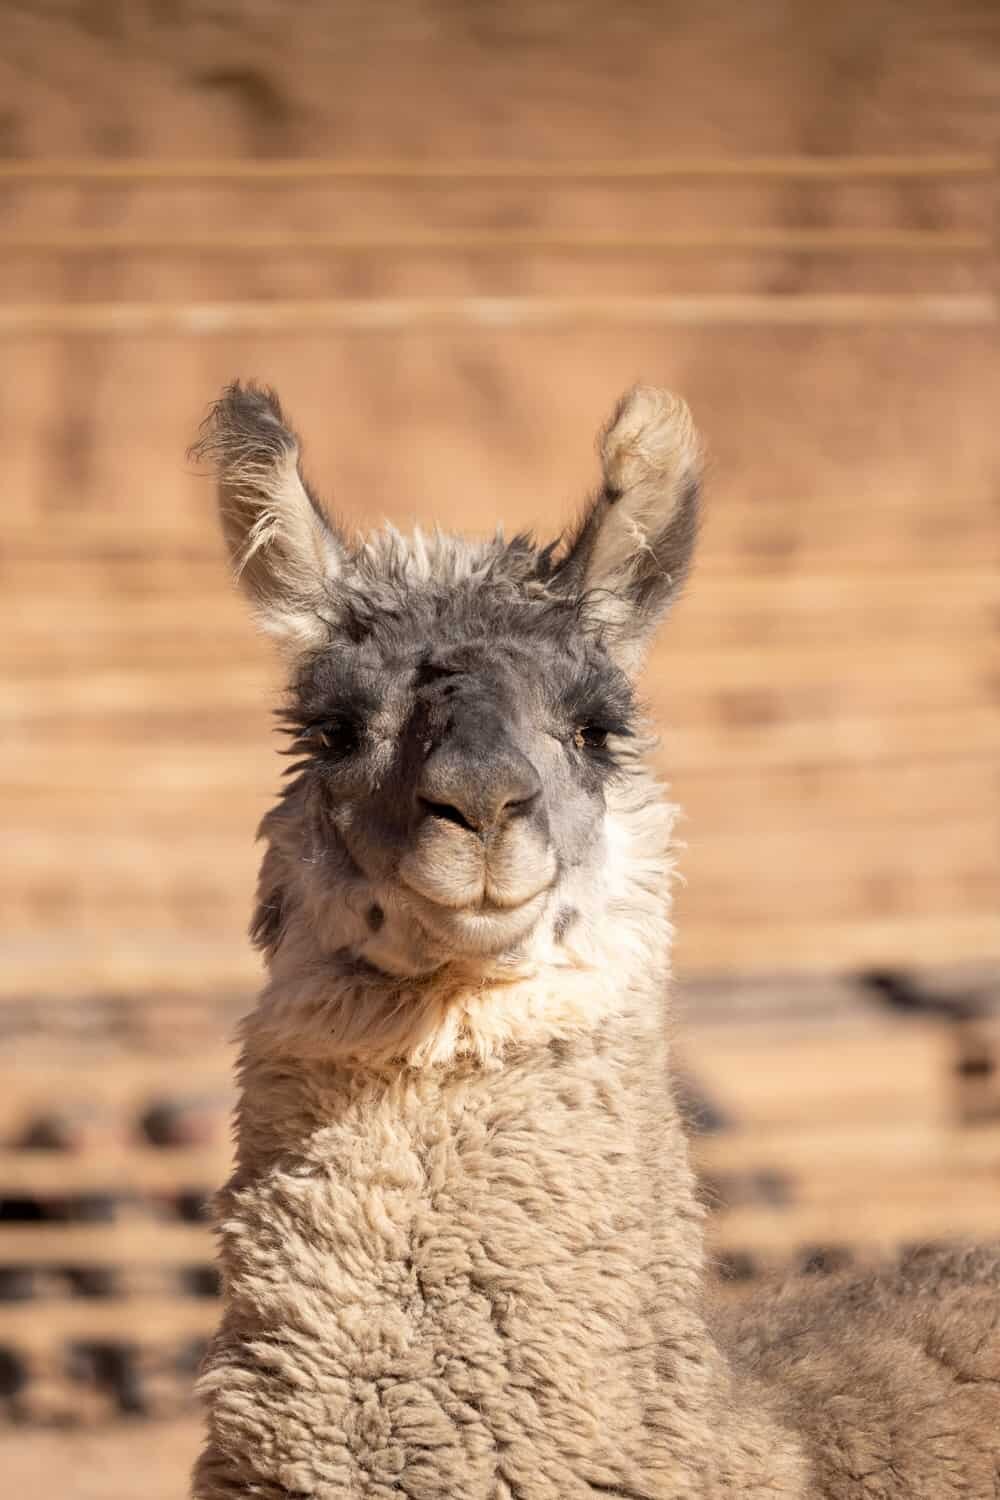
(321, 169)
(498, 242)
(492, 315)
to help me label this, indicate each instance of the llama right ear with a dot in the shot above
(284, 548)
(632, 549)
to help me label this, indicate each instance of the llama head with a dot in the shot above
(461, 713)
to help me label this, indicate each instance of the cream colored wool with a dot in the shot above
(462, 1251)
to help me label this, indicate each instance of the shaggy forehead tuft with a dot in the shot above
(492, 609)
(455, 590)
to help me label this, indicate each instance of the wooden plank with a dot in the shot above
(115, 1169)
(803, 606)
(822, 533)
(60, 960)
(964, 1212)
(734, 686)
(697, 683)
(793, 241)
(150, 1243)
(878, 1227)
(102, 1462)
(118, 1076)
(840, 1153)
(130, 618)
(862, 895)
(137, 896)
(190, 762)
(41, 1329)
(708, 945)
(288, 171)
(809, 1078)
(830, 739)
(162, 548)
(828, 1151)
(814, 799)
(745, 801)
(832, 854)
(381, 315)
(119, 585)
(823, 858)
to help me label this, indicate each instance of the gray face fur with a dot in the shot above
(459, 712)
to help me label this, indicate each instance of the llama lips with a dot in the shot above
(483, 931)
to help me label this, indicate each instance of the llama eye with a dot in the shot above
(337, 736)
(590, 737)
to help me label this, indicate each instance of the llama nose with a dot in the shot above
(481, 787)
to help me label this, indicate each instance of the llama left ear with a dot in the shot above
(632, 550)
(287, 555)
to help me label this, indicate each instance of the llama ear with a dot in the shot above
(632, 550)
(285, 550)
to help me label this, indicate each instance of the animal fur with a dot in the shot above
(461, 1249)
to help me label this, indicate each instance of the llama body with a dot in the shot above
(471, 1281)
(461, 1249)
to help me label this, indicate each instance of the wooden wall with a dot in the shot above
(810, 262)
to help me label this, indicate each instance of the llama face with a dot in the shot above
(454, 751)
(460, 713)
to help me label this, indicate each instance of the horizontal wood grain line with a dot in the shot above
(114, 1169)
(496, 241)
(947, 1201)
(142, 958)
(120, 1083)
(769, 944)
(817, 1188)
(879, 1221)
(884, 894)
(885, 548)
(41, 1327)
(182, 686)
(168, 580)
(201, 753)
(918, 529)
(962, 643)
(495, 314)
(964, 844)
(889, 1154)
(867, 738)
(34, 648)
(153, 1242)
(714, 801)
(719, 803)
(278, 170)
(138, 895)
(955, 1207)
(141, 962)
(758, 1064)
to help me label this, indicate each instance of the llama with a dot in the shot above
(461, 1248)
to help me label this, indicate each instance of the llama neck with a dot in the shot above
(505, 1259)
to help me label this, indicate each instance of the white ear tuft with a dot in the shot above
(632, 550)
(650, 440)
(284, 549)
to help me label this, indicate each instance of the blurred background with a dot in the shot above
(451, 233)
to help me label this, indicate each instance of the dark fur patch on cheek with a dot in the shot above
(268, 924)
(375, 917)
(565, 919)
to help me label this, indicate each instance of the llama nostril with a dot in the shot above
(479, 783)
(446, 811)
